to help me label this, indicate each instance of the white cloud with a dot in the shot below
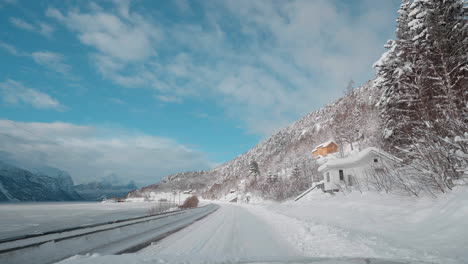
(168, 99)
(15, 93)
(12, 49)
(46, 29)
(40, 27)
(111, 35)
(89, 152)
(52, 60)
(55, 13)
(287, 58)
(183, 6)
(18, 22)
(117, 101)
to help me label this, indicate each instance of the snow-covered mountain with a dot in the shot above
(349, 120)
(107, 187)
(42, 184)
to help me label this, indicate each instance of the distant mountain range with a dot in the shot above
(47, 184)
(109, 186)
(41, 183)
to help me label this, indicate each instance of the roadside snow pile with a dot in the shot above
(161, 197)
(375, 225)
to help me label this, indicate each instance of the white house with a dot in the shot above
(355, 168)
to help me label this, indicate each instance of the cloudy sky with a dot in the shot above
(146, 88)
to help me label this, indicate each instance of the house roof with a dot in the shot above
(356, 159)
(323, 145)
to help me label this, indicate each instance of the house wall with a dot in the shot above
(334, 180)
(359, 173)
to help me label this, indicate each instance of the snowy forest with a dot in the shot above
(423, 78)
(416, 108)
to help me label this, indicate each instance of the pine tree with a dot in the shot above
(424, 78)
(349, 87)
(296, 173)
(440, 36)
(253, 167)
(395, 77)
(254, 171)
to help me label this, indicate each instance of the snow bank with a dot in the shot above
(178, 198)
(375, 225)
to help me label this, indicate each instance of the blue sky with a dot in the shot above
(146, 88)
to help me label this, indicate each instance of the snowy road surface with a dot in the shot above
(230, 233)
(243, 234)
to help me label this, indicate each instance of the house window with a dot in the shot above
(328, 177)
(341, 175)
(376, 160)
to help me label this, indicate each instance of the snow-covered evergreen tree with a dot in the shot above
(296, 172)
(424, 77)
(395, 77)
(254, 174)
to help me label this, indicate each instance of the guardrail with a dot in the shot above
(114, 237)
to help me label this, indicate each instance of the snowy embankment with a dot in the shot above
(178, 198)
(374, 225)
(108, 238)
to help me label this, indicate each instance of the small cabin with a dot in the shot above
(355, 168)
(325, 148)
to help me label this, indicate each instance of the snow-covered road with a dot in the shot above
(230, 233)
(246, 234)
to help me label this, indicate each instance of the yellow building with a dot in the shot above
(325, 148)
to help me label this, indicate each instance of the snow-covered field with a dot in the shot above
(29, 218)
(112, 238)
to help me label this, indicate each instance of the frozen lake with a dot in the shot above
(29, 218)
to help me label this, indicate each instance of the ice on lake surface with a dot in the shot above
(29, 218)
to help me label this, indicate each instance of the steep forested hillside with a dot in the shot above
(352, 121)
